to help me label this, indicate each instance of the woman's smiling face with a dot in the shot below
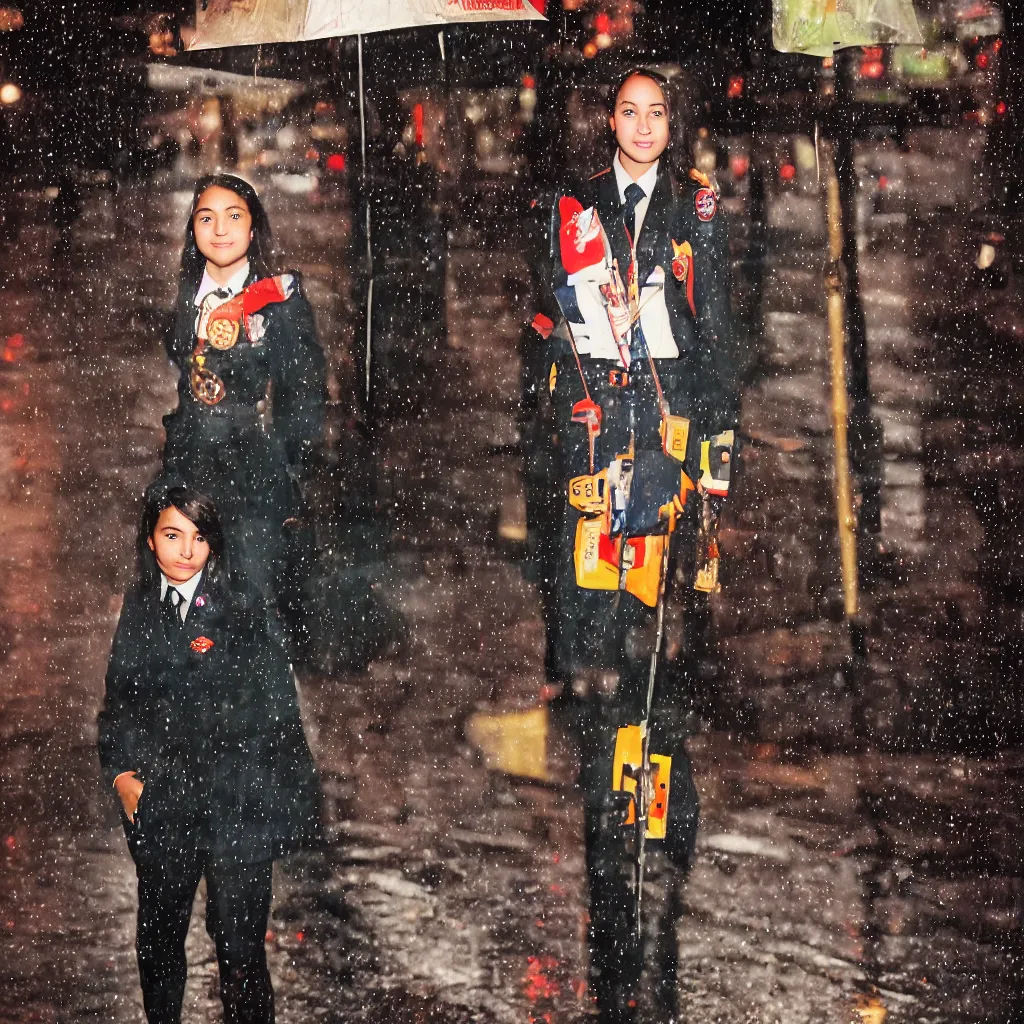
(223, 228)
(640, 124)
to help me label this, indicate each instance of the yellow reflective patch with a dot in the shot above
(675, 435)
(589, 493)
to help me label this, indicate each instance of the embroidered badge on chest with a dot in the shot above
(705, 202)
(220, 333)
(682, 256)
(201, 644)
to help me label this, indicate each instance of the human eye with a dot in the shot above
(171, 535)
(200, 539)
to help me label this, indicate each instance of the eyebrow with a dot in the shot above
(633, 103)
(210, 209)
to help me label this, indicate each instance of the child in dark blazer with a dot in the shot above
(201, 739)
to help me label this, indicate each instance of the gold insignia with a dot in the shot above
(222, 334)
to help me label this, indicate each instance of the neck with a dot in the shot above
(224, 274)
(634, 169)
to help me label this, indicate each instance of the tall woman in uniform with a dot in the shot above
(641, 274)
(251, 390)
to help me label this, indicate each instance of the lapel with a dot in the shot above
(656, 225)
(201, 613)
(610, 211)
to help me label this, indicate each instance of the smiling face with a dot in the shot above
(223, 229)
(180, 549)
(640, 124)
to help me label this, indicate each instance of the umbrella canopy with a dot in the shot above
(244, 23)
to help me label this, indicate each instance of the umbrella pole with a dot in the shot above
(368, 358)
(840, 397)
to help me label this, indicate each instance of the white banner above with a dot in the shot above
(250, 22)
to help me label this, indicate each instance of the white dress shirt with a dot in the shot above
(186, 589)
(646, 181)
(234, 285)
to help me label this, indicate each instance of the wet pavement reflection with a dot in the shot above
(858, 857)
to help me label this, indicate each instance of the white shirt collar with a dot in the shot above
(234, 285)
(187, 590)
(646, 180)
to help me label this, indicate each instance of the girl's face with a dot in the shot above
(223, 229)
(640, 124)
(180, 549)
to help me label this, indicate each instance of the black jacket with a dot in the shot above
(248, 460)
(695, 383)
(208, 716)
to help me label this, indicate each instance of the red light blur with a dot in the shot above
(602, 23)
(735, 89)
(787, 172)
(739, 165)
(872, 69)
(529, 82)
(883, 181)
(982, 60)
(1000, 108)
(417, 120)
(336, 162)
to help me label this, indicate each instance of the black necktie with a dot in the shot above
(634, 194)
(169, 609)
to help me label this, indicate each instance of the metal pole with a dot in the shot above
(368, 358)
(835, 288)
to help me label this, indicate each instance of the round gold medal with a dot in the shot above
(222, 334)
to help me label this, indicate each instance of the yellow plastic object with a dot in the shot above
(513, 742)
(675, 433)
(629, 752)
(715, 479)
(596, 556)
(643, 579)
(589, 493)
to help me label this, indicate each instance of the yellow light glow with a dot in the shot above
(9, 93)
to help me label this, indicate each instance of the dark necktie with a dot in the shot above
(169, 610)
(634, 194)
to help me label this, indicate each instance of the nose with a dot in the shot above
(186, 549)
(643, 127)
(220, 226)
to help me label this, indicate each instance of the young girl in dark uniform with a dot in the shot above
(201, 739)
(641, 274)
(251, 394)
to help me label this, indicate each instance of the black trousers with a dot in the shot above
(237, 909)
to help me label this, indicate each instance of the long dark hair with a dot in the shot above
(678, 90)
(194, 506)
(261, 254)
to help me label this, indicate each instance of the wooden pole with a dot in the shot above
(834, 287)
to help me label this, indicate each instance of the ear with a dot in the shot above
(152, 546)
(611, 123)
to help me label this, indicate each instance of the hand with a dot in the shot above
(129, 788)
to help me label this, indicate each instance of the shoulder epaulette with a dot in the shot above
(700, 178)
(599, 173)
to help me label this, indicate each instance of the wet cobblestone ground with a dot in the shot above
(833, 881)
